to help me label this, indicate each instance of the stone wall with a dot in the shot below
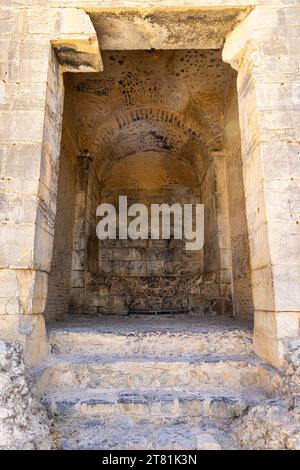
(186, 117)
(264, 49)
(85, 256)
(31, 107)
(142, 275)
(241, 276)
(148, 105)
(59, 284)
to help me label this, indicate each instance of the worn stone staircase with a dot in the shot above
(150, 383)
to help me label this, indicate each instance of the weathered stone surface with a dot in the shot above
(31, 107)
(160, 119)
(270, 426)
(186, 29)
(30, 332)
(267, 121)
(126, 336)
(207, 442)
(103, 380)
(94, 434)
(276, 425)
(23, 420)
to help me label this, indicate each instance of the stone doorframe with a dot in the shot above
(37, 46)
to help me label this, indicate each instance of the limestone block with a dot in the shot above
(30, 332)
(279, 69)
(259, 246)
(278, 125)
(9, 295)
(269, 349)
(286, 281)
(263, 289)
(52, 133)
(38, 297)
(45, 217)
(284, 241)
(282, 198)
(43, 243)
(76, 42)
(32, 291)
(19, 185)
(283, 96)
(222, 222)
(22, 126)
(253, 174)
(15, 209)
(16, 246)
(42, 21)
(143, 3)
(271, 329)
(31, 70)
(9, 51)
(9, 21)
(255, 209)
(48, 178)
(277, 324)
(22, 292)
(22, 161)
(259, 25)
(32, 47)
(280, 160)
(24, 96)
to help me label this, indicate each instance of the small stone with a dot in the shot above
(207, 442)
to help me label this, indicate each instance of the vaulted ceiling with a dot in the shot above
(145, 101)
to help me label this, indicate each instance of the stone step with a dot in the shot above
(152, 406)
(94, 434)
(151, 339)
(237, 372)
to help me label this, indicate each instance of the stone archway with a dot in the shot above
(131, 109)
(67, 36)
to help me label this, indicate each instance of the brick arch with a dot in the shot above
(150, 129)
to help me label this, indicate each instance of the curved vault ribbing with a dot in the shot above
(150, 129)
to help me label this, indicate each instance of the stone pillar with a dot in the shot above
(265, 50)
(222, 221)
(36, 46)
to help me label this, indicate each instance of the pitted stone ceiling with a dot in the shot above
(164, 101)
(164, 28)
